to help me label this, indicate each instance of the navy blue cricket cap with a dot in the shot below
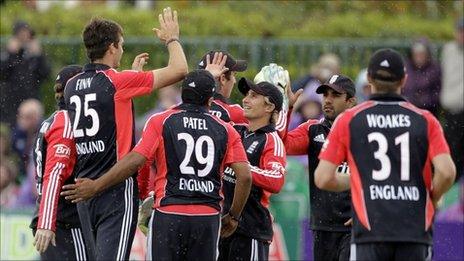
(386, 65)
(67, 73)
(198, 86)
(231, 63)
(263, 88)
(339, 83)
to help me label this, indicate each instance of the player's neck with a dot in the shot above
(106, 60)
(256, 124)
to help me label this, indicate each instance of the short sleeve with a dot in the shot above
(150, 139)
(335, 147)
(130, 83)
(437, 141)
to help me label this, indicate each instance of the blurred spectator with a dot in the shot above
(308, 106)
(328, 65)
(8, 187)
(23, 68)
(451, 97)
(6, 153)
(363, 89)
(30, 115)
(423, 83)
(167, 97)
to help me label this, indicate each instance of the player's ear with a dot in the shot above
(353, 101)
(210, 101)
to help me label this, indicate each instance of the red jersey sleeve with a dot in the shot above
(437, 141)
(297, 141)
(335, 147)
(130, 83)
(59, 164)
(269, 175)
(150, 139)
(235, 151)
(281, 124)
(236, 114)
(143, 178)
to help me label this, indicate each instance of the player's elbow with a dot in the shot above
(277, 185)
(180, 70)
(445, 167)
(448, 172)
(242, 173)
(320, 181)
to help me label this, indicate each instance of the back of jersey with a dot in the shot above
(391, 174)
(195, 144)
(90, 102)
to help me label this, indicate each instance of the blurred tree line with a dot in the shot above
(266, 21)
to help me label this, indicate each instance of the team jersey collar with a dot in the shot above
(265, 129)
(218, 96)
(326, 123)
(192, 107)
(96, 67)
(387, 97)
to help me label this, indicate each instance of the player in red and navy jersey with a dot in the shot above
(55, 220)
(190, 149)
(266, 153)
(330, 211)
(99, 102)
(400, 166)
(221, 106)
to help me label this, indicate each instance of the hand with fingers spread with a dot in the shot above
(216, 66)
(292, 97)
(43, 238)
(169, 26)
(139, 61)
(83, 189)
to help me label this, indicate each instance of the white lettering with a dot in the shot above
(388, 121)
(194, 123)
(196, 185)
(90, 147)
(390, 192)
(82, 84)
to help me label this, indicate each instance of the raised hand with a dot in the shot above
(217, 66)
(292, 97)
(169, 26)
(139, 61)
(82, 190)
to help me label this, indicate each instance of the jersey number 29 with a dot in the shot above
(196, 147)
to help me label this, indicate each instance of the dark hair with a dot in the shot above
(98, 35)
(386, 86)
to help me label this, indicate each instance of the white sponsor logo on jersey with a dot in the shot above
(319, 138)
(62, 151)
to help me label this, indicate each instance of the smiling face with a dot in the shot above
(256, 106)
(334, 103)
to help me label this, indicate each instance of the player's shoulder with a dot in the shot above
(158, 118)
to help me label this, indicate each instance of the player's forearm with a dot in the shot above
(177, 60)
(444, 175)
(242, 188)
(125, 168)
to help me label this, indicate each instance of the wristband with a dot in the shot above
(234, 217)
(171, 40)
